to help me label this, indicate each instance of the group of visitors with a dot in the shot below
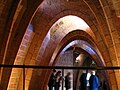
(56, 79)
(91, 82)
(88, 81)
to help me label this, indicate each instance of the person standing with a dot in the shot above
(52, 79)
(68, 81)
(93, 81)
(59, 79)
(83, 81)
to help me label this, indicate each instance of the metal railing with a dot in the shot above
(56, 67)
(60, 67)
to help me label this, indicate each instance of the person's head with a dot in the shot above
(84, 71)
(93, 72)
(58, 73)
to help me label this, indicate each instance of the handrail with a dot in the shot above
(59, 67)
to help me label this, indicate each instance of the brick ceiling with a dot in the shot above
(52, 30)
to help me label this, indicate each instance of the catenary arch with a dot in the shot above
(67, 13)
(20, 29)
(17, 30)
(77, 47)
(93, 24)
(84, 47)
(87, 54)
(82, 36)
(94, 28)
(75, 35)
(78, 34)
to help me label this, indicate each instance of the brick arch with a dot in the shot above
(79, 14)
(113, 24)
(15, 79)
(6, 20)
(62, 14)
(92, 26)
(90, 22)
(75, 35)
(47, 59)
(16, 37)
(76, 13)
(8, 11)
(80, 49)
(39, 39)
(29, 12)
(71, 36)
(105, 56)
(6, 23)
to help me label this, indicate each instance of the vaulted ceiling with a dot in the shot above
(36, 32)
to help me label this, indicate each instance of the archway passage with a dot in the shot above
(38, 32)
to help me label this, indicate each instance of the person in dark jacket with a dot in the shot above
(59, 79)
(83, 81)
(52, 79)
(68, 81)
(93, 81)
